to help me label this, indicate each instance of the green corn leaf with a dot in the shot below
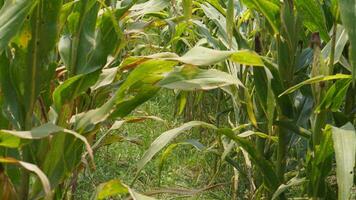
(12, 16)
(182, 99)
(134, 91)
(9, 141)
(247, 57)
(348, 15)
(335, 96)
(31, 66)
(277, 86)
(201, 56)
(344, 139)
(86, 121)
(10, 104)
(259, 134)
(216, 4)
(167, 137)
(230, 21)
(148, 7)
(140, 86)
(72, 88)
(192, 78)
(219, 19)
(106, 78)
(340, 43)
(90, 37)
(264, 165)
(319, 164)
(107, 140)
(250, 109)
(314, 80)
(75, 46)
(116, 187)
(314, 18)
(290, 125)
(270, 9)
(291, 183)
(32, 168)
(42, 132)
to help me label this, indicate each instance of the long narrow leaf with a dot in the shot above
(167, 137)
(33, 168)
(344, 139)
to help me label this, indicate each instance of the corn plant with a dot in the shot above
(61, 80)
(296, 93)
(278, 77)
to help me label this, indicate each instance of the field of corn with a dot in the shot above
(177, 99)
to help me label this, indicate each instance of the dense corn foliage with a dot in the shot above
(271, 83)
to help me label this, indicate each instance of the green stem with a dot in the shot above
(320, 118)
(282, 156)
(281, 153)
(319, 124)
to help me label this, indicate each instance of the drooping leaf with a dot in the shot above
(294, 128)
(247, 57)
(33, 168)
(192, 78)
(116, 187)
(138, 87)
(291, 183)
(167, 137)
(44, 131)
(259, 134)
(106, 77)
(111, 188)
(107, 140)
(151, 6)
(202, 56)
(86, 121)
